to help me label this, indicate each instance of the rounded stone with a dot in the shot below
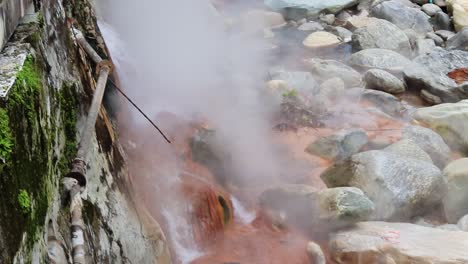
(321, 39)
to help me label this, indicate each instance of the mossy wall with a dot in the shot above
(37, 142)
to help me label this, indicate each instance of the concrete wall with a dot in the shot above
(11, 11)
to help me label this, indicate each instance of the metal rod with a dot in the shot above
(141, 111)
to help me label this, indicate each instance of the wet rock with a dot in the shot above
(449, 121)
(340, 145)
(384, 81)
(386, 102)
(408, 148)
(297, 80)
(445, 34)
(463, 223)
(402, 16)
(343, 16)
(430, 98)
(381, 242)
(379, 33)
(424, 46)
(459, 41)
(356, 22)
(437, 40)
(459, 9)
(456, 201)
(429, 141)
(441, 21)
(327, 19)
(329, 208)
(315, 253)
(321, 39)
(327, 69)
(343, 33)
(332, 89)
(441, 3)
(308, 8)
(311, 26)
(400, 187)
(430, 9)
(379, 59)
(254, 20)
(429, 72)
(449, 227)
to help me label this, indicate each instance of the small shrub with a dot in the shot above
(24, 201)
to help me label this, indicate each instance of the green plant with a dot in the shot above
(24, 201)
(290, 94)
(6, 138)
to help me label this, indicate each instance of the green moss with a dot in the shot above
(6, 139)
(40, 19)
(24, 201)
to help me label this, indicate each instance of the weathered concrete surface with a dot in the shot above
(11, 11)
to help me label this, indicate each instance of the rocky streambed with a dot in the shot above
(370, 122)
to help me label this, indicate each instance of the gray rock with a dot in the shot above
(402, 16)
(445, 34)
(311, 26)
(449, 121)
(429, 141)
(327, 69)
(424, 46)
(437, 40)
(455, 202)
(431, 9)
(463, 223)
(441, 21)
(343, 16)
(429, 72)
(327, 19)
(379, 33)
(449, 227)
(300, 81)
(381, 80)
(329, 208)
(441, 3)
(459, 41)
(297, 9)
(430, 98)
(422, 222)
(343, 33)
(401, 188)
(408, 148)
(315, 253)
(386, 102)
(332, 89)
(395, 243)
(379, 59)
(340, 145)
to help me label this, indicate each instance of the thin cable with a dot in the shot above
(141, 111)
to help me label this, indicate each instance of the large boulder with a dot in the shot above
(408, 148)
(402, 16)
(297, 80)
(297, 9)
(379, 59)
(459, 41)
(381, 80)
(459, 9)
(329, 208)
(429, 141)
(340, 145)
(381, 242)
(400, 187)
(379, 33)
(386, 102)
(429, 72)
(449, 121)
(327, 69)
(456, 201)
